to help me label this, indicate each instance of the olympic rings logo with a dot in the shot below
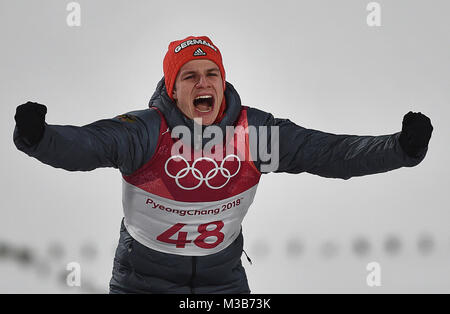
(199, 176)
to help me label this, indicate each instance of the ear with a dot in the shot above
(174, 93)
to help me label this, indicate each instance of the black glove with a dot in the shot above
(416, 133)
(30, 121)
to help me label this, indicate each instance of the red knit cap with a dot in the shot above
(185, 50)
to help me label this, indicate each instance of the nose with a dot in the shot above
(202, 82)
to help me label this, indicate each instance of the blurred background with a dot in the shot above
(317, 63)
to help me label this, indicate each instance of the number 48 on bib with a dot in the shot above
(181, 239)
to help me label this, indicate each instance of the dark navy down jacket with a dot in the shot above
(127, 146)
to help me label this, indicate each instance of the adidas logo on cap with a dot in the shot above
(199, 52)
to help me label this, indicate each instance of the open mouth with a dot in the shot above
(204, 103)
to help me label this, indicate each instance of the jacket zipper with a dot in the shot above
(194, 270)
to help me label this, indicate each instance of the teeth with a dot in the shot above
(203, 97)
(207, 110)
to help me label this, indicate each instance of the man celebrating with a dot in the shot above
(184, 199)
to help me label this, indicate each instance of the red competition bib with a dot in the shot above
(191, 203)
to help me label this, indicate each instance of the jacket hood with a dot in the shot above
(174, 117)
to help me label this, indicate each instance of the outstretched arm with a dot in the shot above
(345, 156)
(125, 142)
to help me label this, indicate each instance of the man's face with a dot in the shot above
(198, 90)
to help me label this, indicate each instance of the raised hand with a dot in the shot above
(30, 121)
(416, 133)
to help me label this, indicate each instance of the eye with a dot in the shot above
(212, 74)
(188, 77)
